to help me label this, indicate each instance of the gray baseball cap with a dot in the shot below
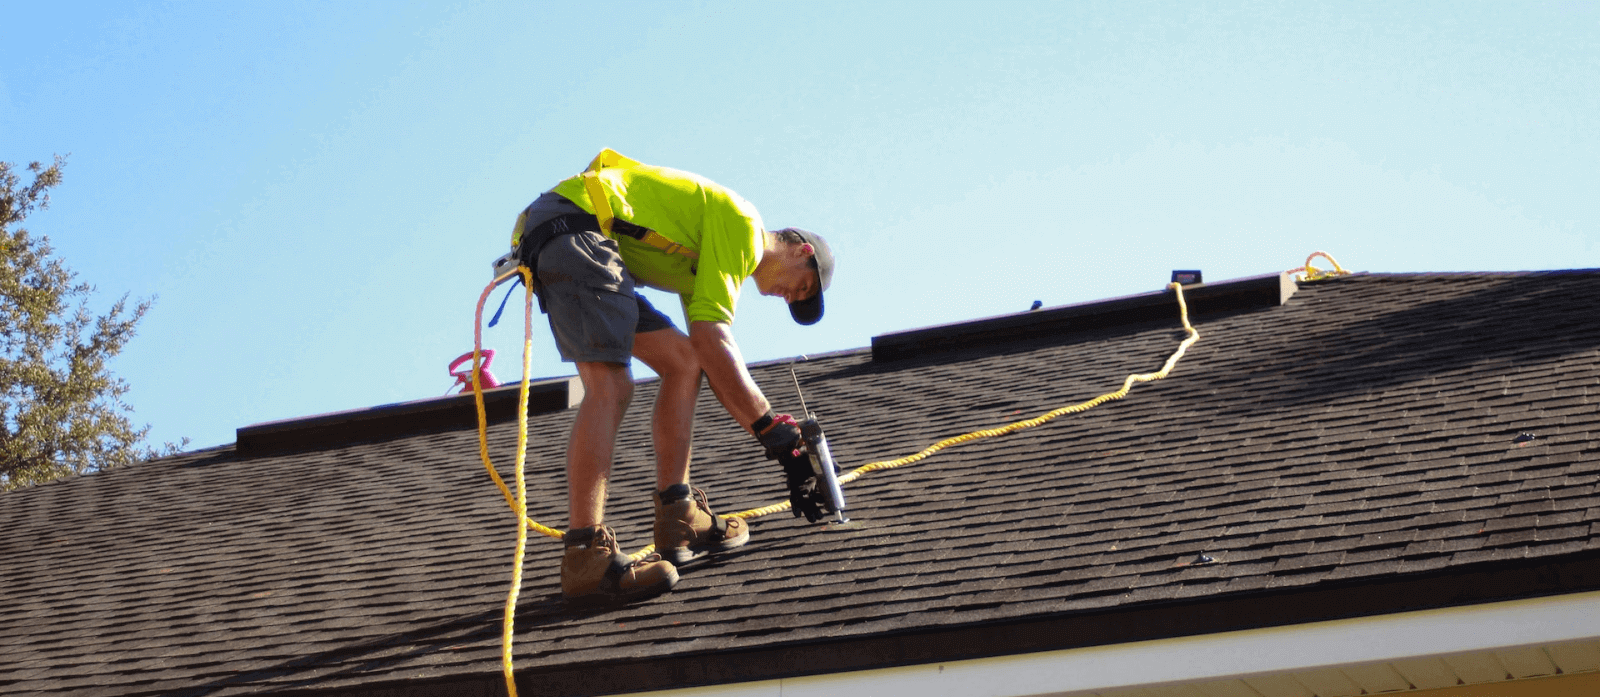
(808, 311)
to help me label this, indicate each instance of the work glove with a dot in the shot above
(778, 433)
(782, 440)
(806, 496)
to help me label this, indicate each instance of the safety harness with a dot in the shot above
(609, 225)
(529, 242)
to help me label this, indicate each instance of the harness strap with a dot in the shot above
(608, 220)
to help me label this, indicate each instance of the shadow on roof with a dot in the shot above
(1490, 325)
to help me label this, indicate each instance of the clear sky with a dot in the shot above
(316, 190)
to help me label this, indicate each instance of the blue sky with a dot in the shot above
(315, 191)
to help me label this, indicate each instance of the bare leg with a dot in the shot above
(607, 389)
(669, 353)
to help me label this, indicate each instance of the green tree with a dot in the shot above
(61, 411)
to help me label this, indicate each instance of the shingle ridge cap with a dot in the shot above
(1478, 274)
(1251, 292)
(1087, 304)
(785, 360)
(807, 357)
(403, 405)
(390, 420)
(183, 454)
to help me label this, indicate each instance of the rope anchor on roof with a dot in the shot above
(1309, 273)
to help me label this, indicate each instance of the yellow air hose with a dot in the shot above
(518, 501)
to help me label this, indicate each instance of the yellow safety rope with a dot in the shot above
(518, 502)
(1127, 384)
(1310, 273)
(477, 391)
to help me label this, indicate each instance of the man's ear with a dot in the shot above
(808, 250)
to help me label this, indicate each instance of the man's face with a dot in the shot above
(794, 279)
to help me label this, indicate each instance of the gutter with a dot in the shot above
(1225, 657)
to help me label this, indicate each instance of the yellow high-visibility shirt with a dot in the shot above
(724, 229)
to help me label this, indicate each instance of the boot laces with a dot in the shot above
(607, 539)
(701, 500)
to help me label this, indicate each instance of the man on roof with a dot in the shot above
(590, 241)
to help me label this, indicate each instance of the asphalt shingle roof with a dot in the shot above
(1360, 436)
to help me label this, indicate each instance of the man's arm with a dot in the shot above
(724, 366)
(730, 381)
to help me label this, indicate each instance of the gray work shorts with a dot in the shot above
(590, 297)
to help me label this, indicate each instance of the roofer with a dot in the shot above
(589, 241)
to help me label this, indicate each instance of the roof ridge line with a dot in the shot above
(1267, 290)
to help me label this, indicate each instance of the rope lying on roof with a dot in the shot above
(518, 501)
(1127, 385)
(513, 501)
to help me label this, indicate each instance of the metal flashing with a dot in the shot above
(402, 418)
(1246, 293)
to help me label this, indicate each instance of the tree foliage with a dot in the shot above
(61, 409)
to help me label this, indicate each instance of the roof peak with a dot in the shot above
(1269, 290)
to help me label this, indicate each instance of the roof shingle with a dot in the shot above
(1359, 436)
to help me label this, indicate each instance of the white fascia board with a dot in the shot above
(1208, 657)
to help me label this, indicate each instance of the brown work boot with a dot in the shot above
(593, 572)
(687, 529)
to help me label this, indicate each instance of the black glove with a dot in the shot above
(778, 433)
(806, 496)
(781, 437)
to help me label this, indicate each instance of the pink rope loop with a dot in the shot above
(464, 377)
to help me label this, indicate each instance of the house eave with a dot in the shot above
(1396, 648)
(1263, 610)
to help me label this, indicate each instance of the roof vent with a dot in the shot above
(405, 418)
